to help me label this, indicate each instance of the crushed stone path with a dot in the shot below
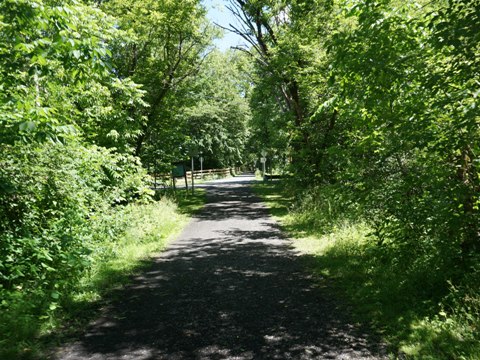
(230, 287)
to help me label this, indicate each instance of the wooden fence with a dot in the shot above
(165, 179)
(199, 174)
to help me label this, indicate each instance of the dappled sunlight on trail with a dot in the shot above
(231, 287)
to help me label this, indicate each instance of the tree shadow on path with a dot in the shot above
(230, 287)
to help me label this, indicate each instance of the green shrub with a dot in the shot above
(138, 231)
(57, 203)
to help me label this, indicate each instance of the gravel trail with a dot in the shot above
(230, 287)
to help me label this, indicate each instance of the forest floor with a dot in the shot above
(230, 287)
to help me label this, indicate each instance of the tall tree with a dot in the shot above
(59, 100)
(217, 120)
(283, 39)
(168, 42)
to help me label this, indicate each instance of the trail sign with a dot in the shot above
(178, 171)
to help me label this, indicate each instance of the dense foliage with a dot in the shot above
(167, 42)
(56, 76)
(88, 90)
(57, 187)
(377, 102)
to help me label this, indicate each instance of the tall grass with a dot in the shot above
(149, 229)
(419, 313)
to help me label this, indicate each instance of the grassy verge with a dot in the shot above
(189, 204)
(145, 230)
(417, 315)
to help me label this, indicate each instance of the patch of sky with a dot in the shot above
(219, 14)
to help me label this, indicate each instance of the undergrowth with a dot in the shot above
(126, 239)
(413, 303)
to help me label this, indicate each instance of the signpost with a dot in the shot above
(263, 160)
(193, 152)
(193, 181)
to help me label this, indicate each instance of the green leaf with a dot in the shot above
(77, 54)
(27, 126)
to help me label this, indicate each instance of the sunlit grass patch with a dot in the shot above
(149, 230)
(189, 203)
